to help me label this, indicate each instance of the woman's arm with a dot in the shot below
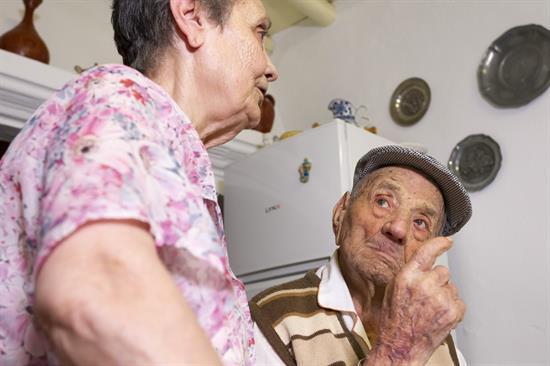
(103, 297)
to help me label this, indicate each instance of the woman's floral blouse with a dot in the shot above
(113, 145)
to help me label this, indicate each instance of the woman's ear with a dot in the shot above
(190, 21)
(338, 213)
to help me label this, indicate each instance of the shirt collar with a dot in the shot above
(333, 291)
(334, 294)
(197, 162)
(186, 140)
(183, 138)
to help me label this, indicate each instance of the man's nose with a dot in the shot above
(396, 228)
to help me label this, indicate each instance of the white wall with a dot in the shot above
(76, 32)
(501, 259)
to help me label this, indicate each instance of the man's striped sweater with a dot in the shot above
(303, 333)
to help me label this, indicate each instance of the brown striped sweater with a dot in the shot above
(303, 333)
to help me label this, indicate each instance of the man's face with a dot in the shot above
(396, 211)
(238, 66)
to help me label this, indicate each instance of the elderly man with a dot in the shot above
(112, 248)
(380, 300)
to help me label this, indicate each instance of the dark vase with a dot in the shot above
(268, 115)
(23, 39)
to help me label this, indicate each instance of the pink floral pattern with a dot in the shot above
(113, 144)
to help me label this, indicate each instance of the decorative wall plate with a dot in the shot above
(475, 161)
(516, 67)
(410, 101)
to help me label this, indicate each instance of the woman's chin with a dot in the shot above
(253, 124)
(254, 118)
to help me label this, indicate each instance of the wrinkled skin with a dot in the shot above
(388, 241)
(218, 75)
(420, 308)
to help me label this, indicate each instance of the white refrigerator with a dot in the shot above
(277, 226)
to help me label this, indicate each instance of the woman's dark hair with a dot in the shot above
(144, 28)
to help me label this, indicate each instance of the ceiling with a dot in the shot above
(286, 13)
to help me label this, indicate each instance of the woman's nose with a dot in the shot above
(271, 71)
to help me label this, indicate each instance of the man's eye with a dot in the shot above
(262, 34)
(421, 224)
(382, 202)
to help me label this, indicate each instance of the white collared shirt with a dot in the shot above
(333, 294)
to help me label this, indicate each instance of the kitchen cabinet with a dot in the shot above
(25, 84)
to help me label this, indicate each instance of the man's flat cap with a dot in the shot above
(458, 207)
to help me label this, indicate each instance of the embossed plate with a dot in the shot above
(410, 101)
(476, 161)
(516, 67)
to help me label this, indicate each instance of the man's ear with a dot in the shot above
(190, 21)
(338, 213)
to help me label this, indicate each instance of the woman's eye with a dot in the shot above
(382, 202)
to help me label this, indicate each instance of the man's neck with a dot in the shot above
(367, 300)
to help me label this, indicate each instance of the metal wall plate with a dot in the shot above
(410, 101)
(475, 161)
(516, 67)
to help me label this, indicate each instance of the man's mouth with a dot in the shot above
(387, 252)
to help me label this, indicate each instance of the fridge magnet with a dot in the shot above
(304, 169)
(515, 69)
(410, 101)
(475, 161)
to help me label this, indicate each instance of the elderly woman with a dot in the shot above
(112, 249)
